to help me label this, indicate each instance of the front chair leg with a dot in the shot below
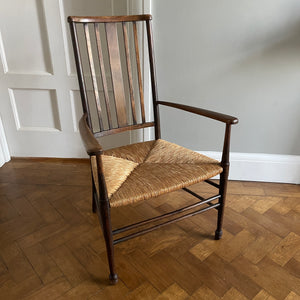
(223, 189)
(223, 181)
(94, 199)
(108, 237)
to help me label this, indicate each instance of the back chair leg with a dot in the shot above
(108, 237)
(94, 197)
(223, 189)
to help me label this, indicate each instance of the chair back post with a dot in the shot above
(82, 87)
(153, 79)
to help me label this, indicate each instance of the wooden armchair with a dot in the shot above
(110, 81)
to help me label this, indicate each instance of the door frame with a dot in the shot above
(4, 151)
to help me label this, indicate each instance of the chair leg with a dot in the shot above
(94, 197)
(223, 189)
(108, 237)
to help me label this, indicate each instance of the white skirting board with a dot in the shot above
(261, 167)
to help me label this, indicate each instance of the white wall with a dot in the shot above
(237, 57)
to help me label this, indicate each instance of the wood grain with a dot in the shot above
(45, 254)
(129, 71)
(93, 73)
(109, 19)
(116, 72)
(139, 72)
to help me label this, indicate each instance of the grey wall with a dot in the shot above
(237, 57)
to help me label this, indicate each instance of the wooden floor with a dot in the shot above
(51, 246)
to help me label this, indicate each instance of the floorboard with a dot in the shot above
(51, 246)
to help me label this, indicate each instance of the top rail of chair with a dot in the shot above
(108, 19)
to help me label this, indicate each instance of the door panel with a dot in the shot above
(40, 104)
(18, 54)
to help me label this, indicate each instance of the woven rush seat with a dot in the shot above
(140, 171)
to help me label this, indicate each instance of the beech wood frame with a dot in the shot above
(101, 204)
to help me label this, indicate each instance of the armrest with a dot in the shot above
(203, 112)
(91, 145)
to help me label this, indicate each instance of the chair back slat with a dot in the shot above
(111, 58)
(116, 72)
(78, 62)
(103, 75)
(129, 71)
(93, 73)
(137, 55)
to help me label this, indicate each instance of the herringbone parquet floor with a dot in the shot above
(51, 246)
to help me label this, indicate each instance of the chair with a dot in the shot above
(109, 65)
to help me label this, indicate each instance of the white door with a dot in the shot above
(39, 97)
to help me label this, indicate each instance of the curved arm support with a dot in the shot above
(203, 112)
(91, 145)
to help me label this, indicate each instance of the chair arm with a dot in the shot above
(203, 112)
(91, 145)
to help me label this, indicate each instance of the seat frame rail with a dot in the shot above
(207, 201)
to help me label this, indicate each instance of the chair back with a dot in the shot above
(110, 61)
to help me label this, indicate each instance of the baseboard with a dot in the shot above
(244, 166)
(262, 167)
